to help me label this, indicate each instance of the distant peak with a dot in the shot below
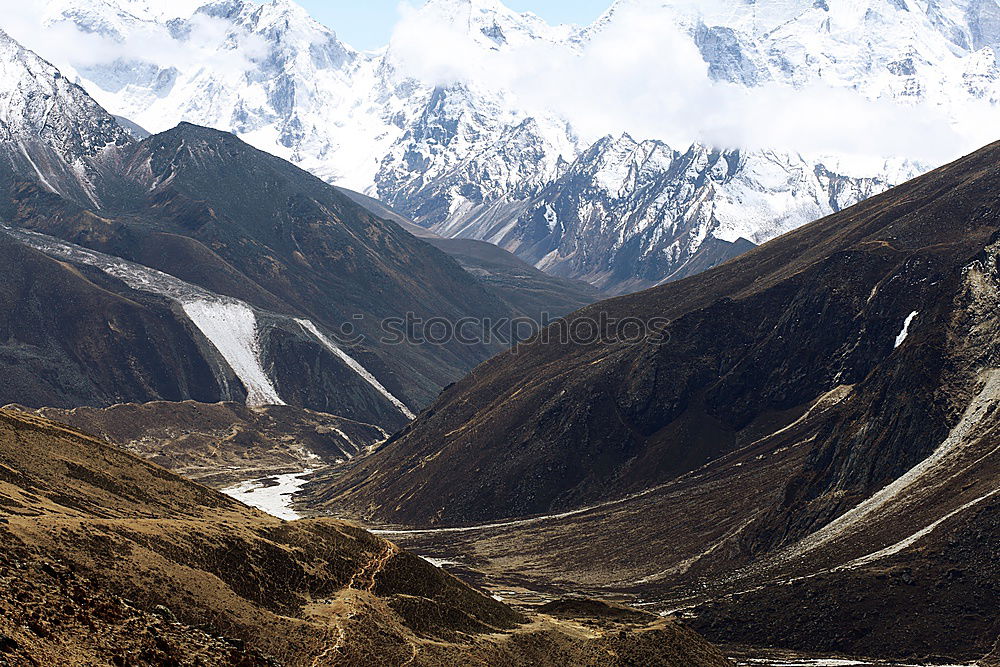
(493, 23)
(274, 11)
(158, 9)
(489, 5)
(289, 7)
(459, 9)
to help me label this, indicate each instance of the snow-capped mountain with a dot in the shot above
(198, 267)
(452, 138)
(625, 209)
(49, 126)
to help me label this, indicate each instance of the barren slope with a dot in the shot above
(110, 559)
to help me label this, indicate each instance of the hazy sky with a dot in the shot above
(367, 24)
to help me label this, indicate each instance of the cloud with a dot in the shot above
(643, 74)
(205, 41)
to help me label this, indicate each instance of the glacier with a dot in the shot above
(229, 324)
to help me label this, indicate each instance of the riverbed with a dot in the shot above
(271, 494)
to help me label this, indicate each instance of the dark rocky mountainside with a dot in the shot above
(910, 576)
(238, 271)
(810, 443)
(531, 292)
(60, 324)
(750, 347)
(203, 207)
(540, 296)
(110, 560)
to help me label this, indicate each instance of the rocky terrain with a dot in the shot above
(799, 456)
(531, 292)
(813, 425)
(111, 560)
(223, 443)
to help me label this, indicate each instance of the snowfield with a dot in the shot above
(231, 327)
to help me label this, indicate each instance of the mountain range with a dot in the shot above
(219, 272)
(467, 157)
(796, 457)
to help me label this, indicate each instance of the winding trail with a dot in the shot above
(363, 580)
(371, 570)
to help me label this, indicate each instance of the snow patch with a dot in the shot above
(440, 562)
(906, 328)
(271, 494)
(231, 327)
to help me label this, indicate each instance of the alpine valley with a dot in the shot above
(231, 436)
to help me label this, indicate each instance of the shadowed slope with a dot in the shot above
(813, 444)
(751, 345)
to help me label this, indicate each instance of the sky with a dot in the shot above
(368, 24)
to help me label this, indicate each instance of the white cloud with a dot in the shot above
(209, 41)
(643, 74)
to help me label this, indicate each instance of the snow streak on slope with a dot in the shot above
(919, 535)
(136, 276)
(356, 367)
(231, 326)
(901, 338)
(903, 488)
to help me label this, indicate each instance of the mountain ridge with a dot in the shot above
(468, 159)
(256, 265)
(727, 293)
(808, 442)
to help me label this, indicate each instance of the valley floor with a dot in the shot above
(756, 658)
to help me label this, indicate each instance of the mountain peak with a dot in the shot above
(479, 5)
(492, 23)
(42, 113)
(159, 10)
(288, 8)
